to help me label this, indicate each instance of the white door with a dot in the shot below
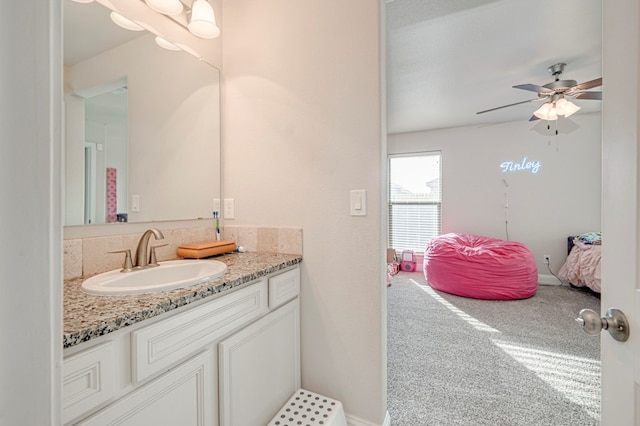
(620, 230)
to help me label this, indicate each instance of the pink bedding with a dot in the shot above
(480, 267)
(582, 267)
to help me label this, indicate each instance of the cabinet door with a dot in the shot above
(183, 396)
(88, 380)
(259, 368)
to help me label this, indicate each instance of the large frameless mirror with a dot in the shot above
(142, 125)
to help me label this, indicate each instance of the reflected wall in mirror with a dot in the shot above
(161, 161)
(105, 146)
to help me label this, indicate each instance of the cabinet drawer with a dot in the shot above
(88, 380)
(158, 346)
(284, 287)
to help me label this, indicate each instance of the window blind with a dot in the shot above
(415, 199)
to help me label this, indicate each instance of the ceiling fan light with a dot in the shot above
(165, 44)
(167, 7)
(566, 107)
(203, 20)
(125, 23)
(546, 112)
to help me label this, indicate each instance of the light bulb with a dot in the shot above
(561, 105)
(565, 107)
(546, 112)
(125, 23)
(203, 20)
(168, 7)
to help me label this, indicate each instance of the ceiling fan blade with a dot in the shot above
(534, 88)
(588, 95)
(510, 105)
(587, 85)
(533, 118)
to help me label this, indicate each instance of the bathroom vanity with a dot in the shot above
(225, 352)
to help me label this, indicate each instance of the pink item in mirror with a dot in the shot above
(112, 195)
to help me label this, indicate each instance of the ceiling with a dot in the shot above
(82, 19)
(448, 59)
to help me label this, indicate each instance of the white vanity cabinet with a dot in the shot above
(259, 366)
(220, 362)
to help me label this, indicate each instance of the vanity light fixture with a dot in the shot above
(125, 23)
(201, 18)
(167, 7)
(166, 44)
(202, 22)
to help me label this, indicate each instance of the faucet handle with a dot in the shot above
(152, 255)
(128, 264)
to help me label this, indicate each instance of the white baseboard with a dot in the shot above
(357, 421)
(548, 279)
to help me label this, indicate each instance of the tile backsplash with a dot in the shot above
(89, 256)
(264, 239)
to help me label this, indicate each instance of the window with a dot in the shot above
(415, 199)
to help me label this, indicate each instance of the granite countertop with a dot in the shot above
(87, 316)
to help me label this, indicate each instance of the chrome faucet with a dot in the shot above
(143, 260)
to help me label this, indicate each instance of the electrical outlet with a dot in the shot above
(547, 259)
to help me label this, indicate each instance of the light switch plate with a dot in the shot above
(358, 202)
(135, 203)
(229, 208)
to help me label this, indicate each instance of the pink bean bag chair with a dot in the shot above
(480, 267)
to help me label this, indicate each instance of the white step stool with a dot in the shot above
(306, 408)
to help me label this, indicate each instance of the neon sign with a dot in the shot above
(524, 165)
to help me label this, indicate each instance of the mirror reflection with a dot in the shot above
(142, 125)
(105, 157)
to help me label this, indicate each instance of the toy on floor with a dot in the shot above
(393, 265)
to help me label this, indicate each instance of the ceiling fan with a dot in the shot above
(555, 95)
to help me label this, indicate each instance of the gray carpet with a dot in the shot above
(459, 361)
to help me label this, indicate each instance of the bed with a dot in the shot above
(480, 267)
(582, 267)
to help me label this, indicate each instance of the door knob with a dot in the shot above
(615, 322)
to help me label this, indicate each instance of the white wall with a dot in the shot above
(30, 213)
(561, 199)
(74, 159)
(301, 128)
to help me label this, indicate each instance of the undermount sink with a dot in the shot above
(167, 276)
